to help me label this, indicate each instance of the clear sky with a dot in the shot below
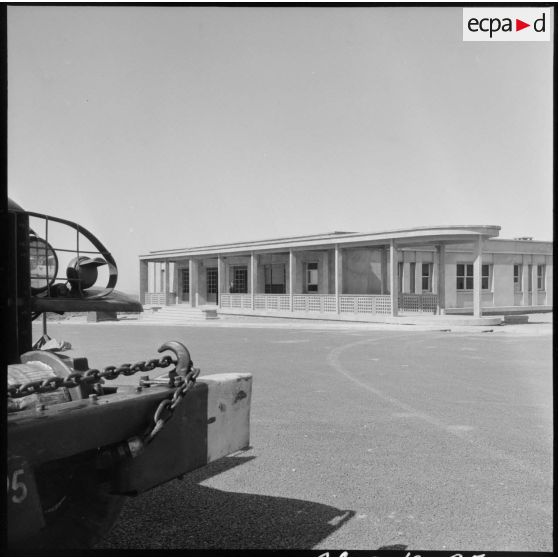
(170, 127)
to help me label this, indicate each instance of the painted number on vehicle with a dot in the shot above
(17, 489)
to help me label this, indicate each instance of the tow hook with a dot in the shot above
(184, 361)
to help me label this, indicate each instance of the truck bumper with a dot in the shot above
(212, 421)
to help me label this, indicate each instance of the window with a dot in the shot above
(529, 277)
(212, 280)
(412, 271)
(485, 277)
(426, 282)
(400, 276)
(274, 278)
(540, 277)
(465, 273)
(238, 279)
(464, 277)
(312, 277)
(517, 278)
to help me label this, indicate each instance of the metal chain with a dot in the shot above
(167, 406)
(91, 376)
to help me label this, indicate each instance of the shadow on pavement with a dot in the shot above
(185, 515)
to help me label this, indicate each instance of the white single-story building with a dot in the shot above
(443, 269)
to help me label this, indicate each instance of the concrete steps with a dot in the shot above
(177, 314)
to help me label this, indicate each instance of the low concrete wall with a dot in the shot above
(502, 310)
(426, 319)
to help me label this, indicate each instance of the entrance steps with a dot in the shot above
(177, 314)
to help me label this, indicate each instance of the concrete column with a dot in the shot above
(194, 292)
(253, 276)
(394, 283)
(383, 270)
(154, 266)
(323, 278)
(222, 286)
(525, 282)
(548, 282)
(292, 276)
(166, 273)
(477, 278)
(406, 276)
(434, 278)
(143, 280)
(534, 292)
(418, 274)
(441, 275)
(176, 285)
(338, 275)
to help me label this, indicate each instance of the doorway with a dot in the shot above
(212, 285)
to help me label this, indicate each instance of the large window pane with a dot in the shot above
(275, 279)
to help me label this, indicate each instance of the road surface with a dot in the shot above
(422, 440)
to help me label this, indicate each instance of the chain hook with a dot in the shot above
(183, 360)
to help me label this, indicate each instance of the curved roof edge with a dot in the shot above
(443, 233)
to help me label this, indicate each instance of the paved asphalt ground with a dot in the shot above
(361, 439)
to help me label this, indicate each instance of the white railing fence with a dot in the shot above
(155, 298)
(272, 302)
(426, 302)
(365, 304)
(348, 304)
(314, 303)
(243, 301)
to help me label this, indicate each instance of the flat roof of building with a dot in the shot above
(447, 234)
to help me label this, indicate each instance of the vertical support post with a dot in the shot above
(477, 278)
(418, 274)
(144, 280)
(441, 304)
(175, 284)
(394, 283)
(548, 282)
(383, 270)
(193, 267)
(323, 279)
(406, 276)
(221, 286)
(338, 276)
(166, 273)
(253, 278)
(525, 282)
(292, 277)
(534, 291)
(154, 266)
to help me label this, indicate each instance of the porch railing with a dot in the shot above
(322, 303)
(236, 301)
(426, 302)
(314, 303)
(272, 302)
(365, 304)
(155, 298)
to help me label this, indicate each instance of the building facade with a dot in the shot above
(438, 270)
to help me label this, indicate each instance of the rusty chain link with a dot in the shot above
(167, 406)
(91, 376)
(182, 377)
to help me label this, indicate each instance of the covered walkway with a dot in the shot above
(339, 276)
